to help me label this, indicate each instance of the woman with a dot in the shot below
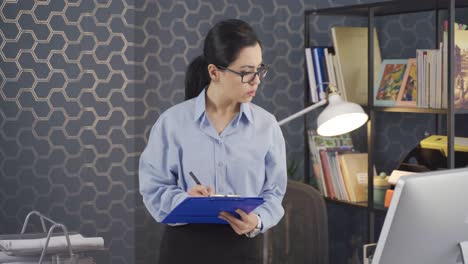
(230, 144)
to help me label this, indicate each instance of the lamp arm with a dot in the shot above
(302, 112)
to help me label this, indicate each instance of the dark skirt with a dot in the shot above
(208, 243)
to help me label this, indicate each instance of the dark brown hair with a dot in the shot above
(222, 46)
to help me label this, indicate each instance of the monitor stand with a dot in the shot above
(464, 251)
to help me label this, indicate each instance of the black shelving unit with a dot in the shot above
(410, 110)
(361, 205)
(396, 7)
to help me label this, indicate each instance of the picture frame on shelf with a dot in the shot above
(388, 85)
(407, 96)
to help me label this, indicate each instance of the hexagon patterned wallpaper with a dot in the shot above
(82, 82)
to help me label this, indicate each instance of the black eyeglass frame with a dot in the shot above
(263, 67)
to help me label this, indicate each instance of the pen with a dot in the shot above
(195, 178)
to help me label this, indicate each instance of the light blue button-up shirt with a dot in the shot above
(248, 158)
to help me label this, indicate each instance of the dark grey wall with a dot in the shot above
(81, 83)
(77, 99)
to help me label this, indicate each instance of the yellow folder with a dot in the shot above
(440, 142)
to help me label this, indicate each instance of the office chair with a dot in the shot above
(302, 235)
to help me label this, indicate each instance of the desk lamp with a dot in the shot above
(339, 117)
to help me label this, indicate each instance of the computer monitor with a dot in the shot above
(427, 219)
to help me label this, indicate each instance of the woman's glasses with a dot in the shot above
(247, 77)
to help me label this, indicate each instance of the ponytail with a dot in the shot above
(196, 77)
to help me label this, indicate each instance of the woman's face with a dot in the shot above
(248, 61)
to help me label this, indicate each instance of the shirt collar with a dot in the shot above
(199, 105)
(200, 108)
(247, 111)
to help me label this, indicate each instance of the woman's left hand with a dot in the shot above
(244, 225)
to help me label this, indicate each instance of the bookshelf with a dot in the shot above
(360, 205)
(371, 11)
(410, 110)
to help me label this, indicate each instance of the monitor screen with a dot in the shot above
(426, 220)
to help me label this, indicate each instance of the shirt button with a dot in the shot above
(220, 141)
(220, 164)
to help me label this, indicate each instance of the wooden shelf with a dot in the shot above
(418, 110)
(410, 110)
(389, 8)
(361, 205)
(461, 111)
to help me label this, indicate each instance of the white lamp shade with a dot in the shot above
(340, 117)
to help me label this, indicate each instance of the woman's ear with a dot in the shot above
(214, 72)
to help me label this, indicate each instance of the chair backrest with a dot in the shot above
(302, 235)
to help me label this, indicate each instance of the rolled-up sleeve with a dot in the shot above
(158, 175)
(274, 187)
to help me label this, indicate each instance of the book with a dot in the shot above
(327, 174)
(344, 140)
(396, 174)
(332, 172)
(337, 174)
(316, 163)
(354, 170)
(438, 79)
(311, 76)
(350, 44)
(429, 78)
(461, 69)
(329, 55)
(321, 169)
(389, 82)
(318, 143)
(409, 87)
(321, 76)
(444, 70)
(420, 53)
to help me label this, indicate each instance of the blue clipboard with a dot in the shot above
(206, 209)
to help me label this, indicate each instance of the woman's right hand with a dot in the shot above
(201, 191)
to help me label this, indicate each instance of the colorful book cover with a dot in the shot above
(408, 90)
(327, 174)
(388, 85)
(344, 140)
(461, 69)
(317, 143)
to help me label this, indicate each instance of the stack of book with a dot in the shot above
(344, 65)
(432, 71)
(432, 91)
(322, 71)
(416, 82)
(341, 173)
